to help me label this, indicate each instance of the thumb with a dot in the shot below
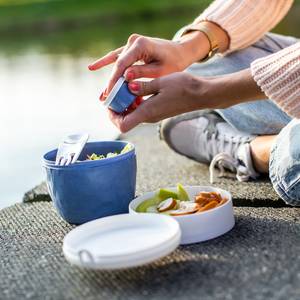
(144, 88)
(147, 71)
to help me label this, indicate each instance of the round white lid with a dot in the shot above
(122, 241)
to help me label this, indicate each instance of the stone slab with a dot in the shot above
(258, 259)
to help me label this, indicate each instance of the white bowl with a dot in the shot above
(202, 226)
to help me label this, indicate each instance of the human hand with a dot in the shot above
(178, 93)
(173, 94)
(160, 57)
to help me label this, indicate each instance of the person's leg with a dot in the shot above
(284, 164)
(260, 149)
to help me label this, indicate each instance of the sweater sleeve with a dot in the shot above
(278, 75)
(245, 21)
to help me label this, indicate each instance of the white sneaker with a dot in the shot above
(205, 137)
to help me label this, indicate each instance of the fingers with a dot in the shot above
(151, 70)
(125, 122)
(145, 112)
(144, 88)
(138, 100)
(132, 38)
(128, 58)
(106, 59)
(113, 55)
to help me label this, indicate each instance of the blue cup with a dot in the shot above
(120, 97)
(89, 190)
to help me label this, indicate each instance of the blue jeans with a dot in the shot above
(263, 117)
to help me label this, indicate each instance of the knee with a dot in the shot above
(290, 195)
(285, 164)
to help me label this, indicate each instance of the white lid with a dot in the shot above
(122, 241)
(114, 91)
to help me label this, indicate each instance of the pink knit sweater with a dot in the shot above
(246, 21)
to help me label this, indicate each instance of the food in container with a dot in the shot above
(179, 203)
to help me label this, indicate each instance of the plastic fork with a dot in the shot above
(70, 149)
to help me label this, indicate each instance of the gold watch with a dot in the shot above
(214, 47)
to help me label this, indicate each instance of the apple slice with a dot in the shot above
(167, 204)
(185, 208)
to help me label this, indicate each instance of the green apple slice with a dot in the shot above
(164, 194)
(167, 204)
(152, 209)
(142, 207)
(182, 194)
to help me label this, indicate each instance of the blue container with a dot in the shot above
(120, 97)
(88, 190)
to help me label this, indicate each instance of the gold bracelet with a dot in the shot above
(214, 47)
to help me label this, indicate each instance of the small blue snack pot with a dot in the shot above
(120, 97)
(89, 190)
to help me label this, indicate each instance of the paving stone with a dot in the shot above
(258, 259)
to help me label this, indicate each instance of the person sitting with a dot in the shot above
(237, 110)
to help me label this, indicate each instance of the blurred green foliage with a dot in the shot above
(49, 14)
(92, 27)
(22, 15)
(89, 26)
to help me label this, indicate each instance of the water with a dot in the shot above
(43, 98)
(46, 92)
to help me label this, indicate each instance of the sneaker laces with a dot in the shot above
(224, 155)
(224, 161)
